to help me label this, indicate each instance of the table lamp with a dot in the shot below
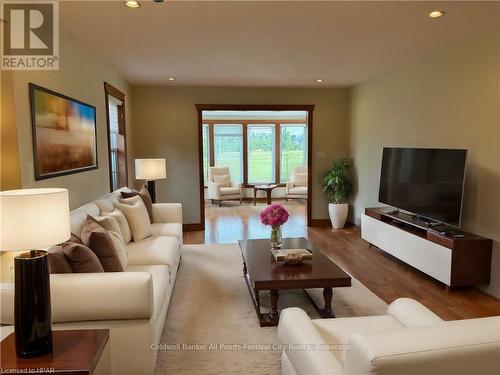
(151, 170)
(31, 219)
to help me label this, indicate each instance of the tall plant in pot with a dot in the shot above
(338, 187)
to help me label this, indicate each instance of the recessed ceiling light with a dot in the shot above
(437, 13)
(171, 78)
(319, 80)
(132, 4)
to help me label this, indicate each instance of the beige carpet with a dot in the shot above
(211, 308)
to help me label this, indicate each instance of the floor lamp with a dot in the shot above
(151, 170)
(32, 219)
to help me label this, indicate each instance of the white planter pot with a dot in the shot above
(338, 214)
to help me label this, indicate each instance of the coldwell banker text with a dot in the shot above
(30, 35)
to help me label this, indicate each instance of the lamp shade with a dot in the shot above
(33, 218)
(150, 169)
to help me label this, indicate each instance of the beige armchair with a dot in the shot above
(220, 186)
(297, 186)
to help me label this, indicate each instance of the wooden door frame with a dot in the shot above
(113, 91)
(309, 108)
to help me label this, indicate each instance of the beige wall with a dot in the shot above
(81, 76)
(10, 175)
(452, 100)
(165, 125)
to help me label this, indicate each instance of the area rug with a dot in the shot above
(212, 327)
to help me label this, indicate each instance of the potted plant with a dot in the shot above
(338, 187)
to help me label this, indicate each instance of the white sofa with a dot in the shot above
(409, 340)
(132, 304)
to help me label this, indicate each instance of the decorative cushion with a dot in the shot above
(81, 258)
(120, 247)
(109, 223)
(74, 238)
(104, 205)
(99, 241)
(223, 180)
(57, 261)
(146, 198)
(137, 217)
(300, 179)
(122, 223)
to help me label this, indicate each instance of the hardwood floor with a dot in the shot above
(384, 275)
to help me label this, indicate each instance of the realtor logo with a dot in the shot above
(30, 35)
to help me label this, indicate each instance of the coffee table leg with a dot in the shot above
(273, 314)
(254, 196)
(327, 295)
(269, 197)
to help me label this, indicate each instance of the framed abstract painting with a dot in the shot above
(64, 134)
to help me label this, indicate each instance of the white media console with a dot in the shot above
(453, 261)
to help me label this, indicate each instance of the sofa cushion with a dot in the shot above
(122, 223)
(81, 258)
(230, 190)
(161, 281)
(99, 241)
(298, 190)
(146, 198)
(137, 217)
(58, 263)
(167, 229)
(338, 331)
(109, 223)
(154, 251)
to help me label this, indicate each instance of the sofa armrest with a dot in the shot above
(167, 213)
(80, 297)
(453, 347)
(412, 313)
(213, 190)
(308, 353)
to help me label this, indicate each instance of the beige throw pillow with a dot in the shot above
(109, 223)
(223, 180)
(120, 247)
(300, 179)
(122, 223)
(137, 217)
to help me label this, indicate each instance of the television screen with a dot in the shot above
(426, 182)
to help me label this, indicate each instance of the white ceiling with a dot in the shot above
(271, 43)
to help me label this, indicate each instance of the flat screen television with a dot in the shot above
(424, 181)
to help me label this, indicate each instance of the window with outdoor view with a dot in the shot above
(261, 153)
(206, 151)
(293, 149)
(228, 149)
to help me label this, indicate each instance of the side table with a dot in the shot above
(75, 352)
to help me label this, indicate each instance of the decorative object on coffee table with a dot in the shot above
(275, 215)
(338, 187)
(75, 352)
(291, 256)
(31, 219)
(150, 170)
(262, 272)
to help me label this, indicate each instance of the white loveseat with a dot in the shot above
(132, 304)
(409, 340)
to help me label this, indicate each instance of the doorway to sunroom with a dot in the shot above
(252, 157)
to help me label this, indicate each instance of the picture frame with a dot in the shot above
(64, 134)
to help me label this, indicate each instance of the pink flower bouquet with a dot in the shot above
(275, 215)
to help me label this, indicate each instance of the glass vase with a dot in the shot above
(276, 239)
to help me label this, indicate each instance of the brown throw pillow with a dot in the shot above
(146, 198)
(58, 263)
(98, 240)
(74, 238)
(81, 258)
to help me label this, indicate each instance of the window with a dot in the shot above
(115, 105)
(228, 149)
(293, 148)
(206, 151)
(261, 153)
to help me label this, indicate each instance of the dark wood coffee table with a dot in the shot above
(262, 272)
